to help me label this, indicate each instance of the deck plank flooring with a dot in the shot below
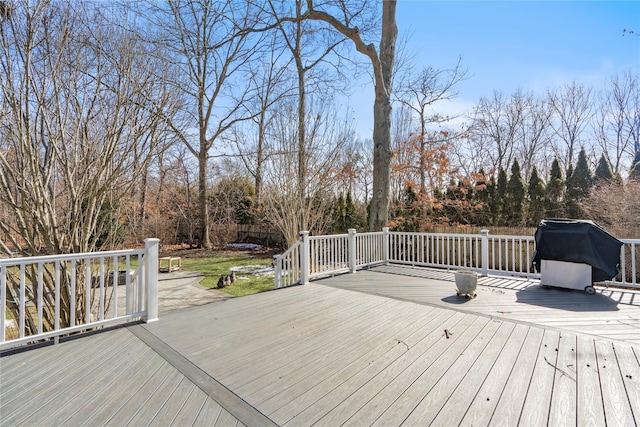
(400, 350)
(563, 400)
(511, 401)
(611, 313)
(456, 405)
(617, 408)
(485, 400)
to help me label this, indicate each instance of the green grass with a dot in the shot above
(245, 284)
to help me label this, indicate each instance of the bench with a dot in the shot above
(172, 264)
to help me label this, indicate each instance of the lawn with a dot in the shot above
(245, 284)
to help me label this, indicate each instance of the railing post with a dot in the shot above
(151, 258)
(351, 247)
(385, 245)
(3, 302)
(485, 252)
(304, 258)
(277, 270)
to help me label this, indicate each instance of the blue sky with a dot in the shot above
(506, 45)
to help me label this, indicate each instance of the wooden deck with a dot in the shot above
(321, 355)
(610, 313)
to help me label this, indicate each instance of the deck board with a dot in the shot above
(412, 366)
(388, 349)
(416, 345)
(629, 369)
(535, 411)
(62, 407)
(564, 398)
(617, 408)
(487, 343)
(49, 386)
(486, 399)
(589, 399)
(209, 414)
(177, 399)
(514, 394)
(611, 313)
(433, 370)
(303, 351)
(307, 369)
(454, 408)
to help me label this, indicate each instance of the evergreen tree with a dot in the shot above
(536, 193)
(480, 200)
(408, 215)
(500, 196)
(339, 212)
(514, 202)
(493, 205)
(554, 194)
(578, 186)
(453, 197)
(351, 219)
(603, 171)
(634, 173)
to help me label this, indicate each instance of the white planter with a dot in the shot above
(466, 282)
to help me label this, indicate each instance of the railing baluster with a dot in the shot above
(87, 292)
(22, 300)
(40, 301)
(520, 254)
(3, 302)
(102, 293)
(140, 283)
(56, 321)
(116, 274)
(129, 288)
(72, 305)
(634, 272)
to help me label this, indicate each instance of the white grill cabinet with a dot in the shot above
(575, 254)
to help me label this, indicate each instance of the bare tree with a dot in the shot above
(328, 133)
(573, 109)
(492, 124)
(403, 130)
(81, 103)
(269, 80)
(419, 94)
(343, 17)
(311, 46)
(617, 125)
(203, 42)
(534, 133)
(615, 205)
(354, 170)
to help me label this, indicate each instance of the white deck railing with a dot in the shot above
(315, 256)
(287, 267)
(57, 295)
(629, 264)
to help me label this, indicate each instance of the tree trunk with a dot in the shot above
(259, 158)
(302, 131)
(302, 124)
(382, 153)
(203, 206)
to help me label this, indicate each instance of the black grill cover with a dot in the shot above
(579, 241)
